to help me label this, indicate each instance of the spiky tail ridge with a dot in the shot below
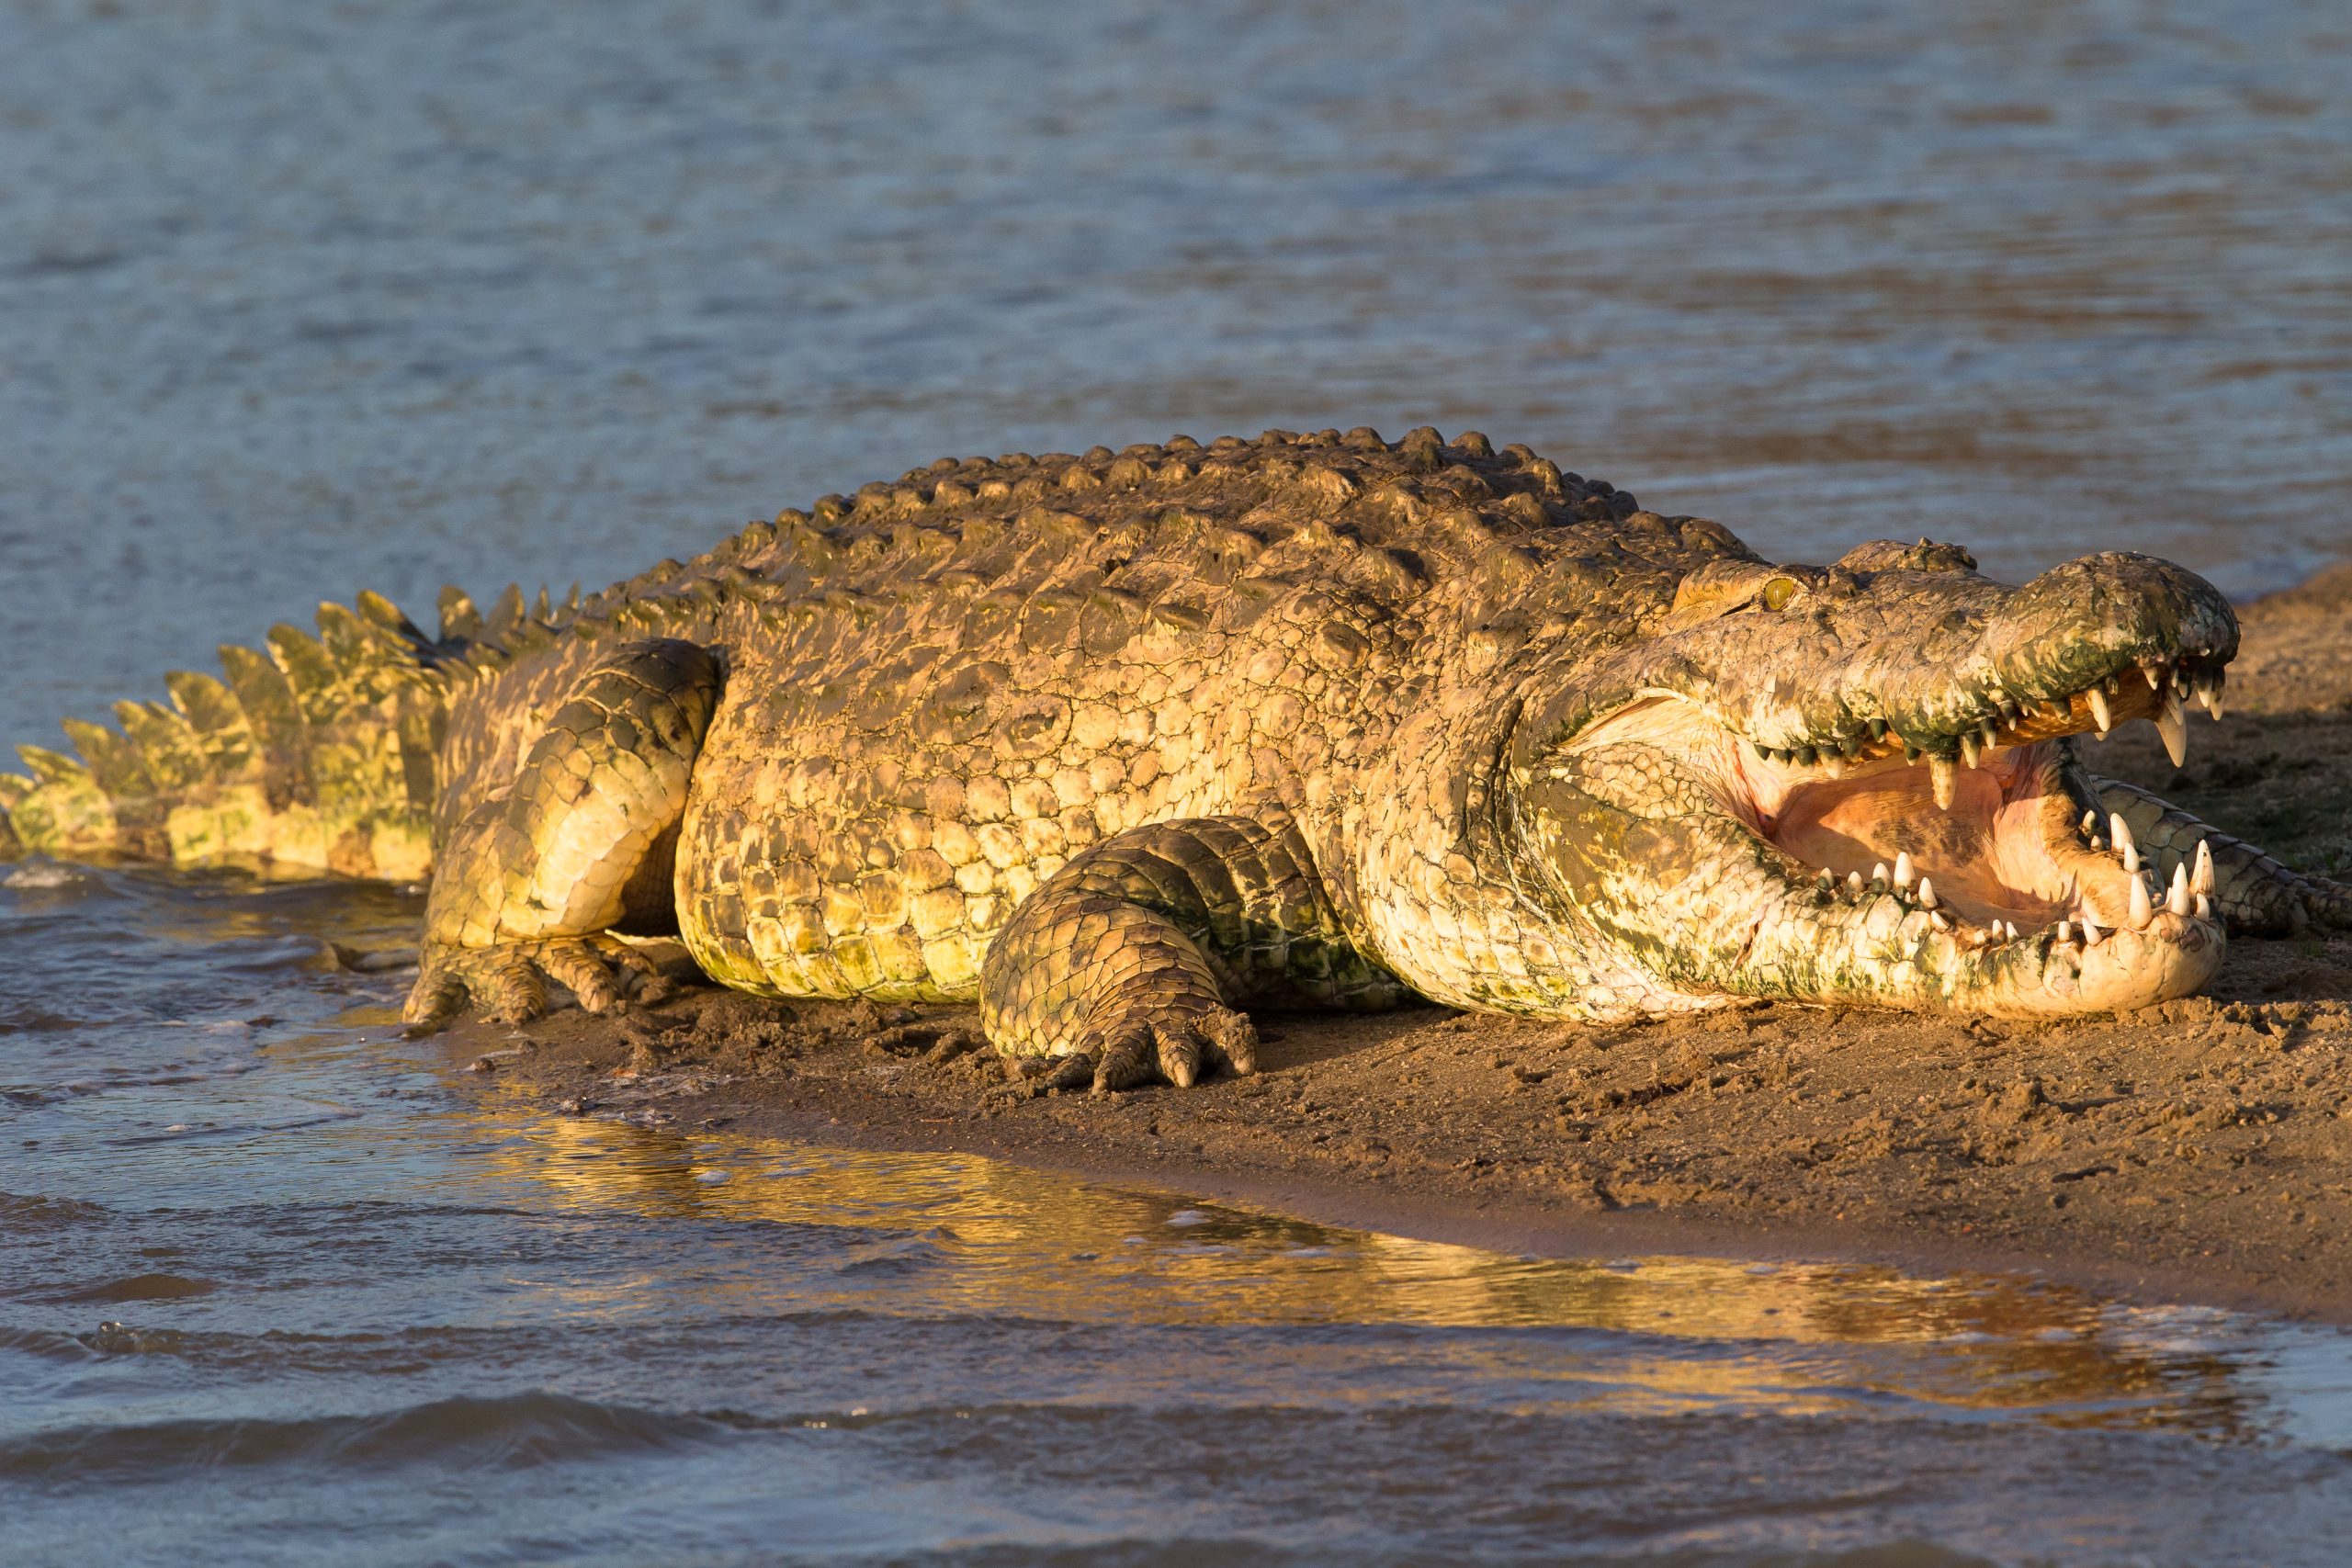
(322, 754)
(316, 756)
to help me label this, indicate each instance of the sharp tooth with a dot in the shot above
(2202, 879)
(1926, 893)
(2102, 720)
(1902, 873)
(2090, 822)
(1910, 752)
(1971, 749)
(2177, 896)
(2065, 932)
(1944, 779)
(1761, 750)
(2008, 931)
(2172, 724)
(1833, 763)
(1854, 883)
(1878, 729)
(2204, 908)
(2142, 911)
(2124, 845)
(1878, 872)
(2092, 936)
(2155, 674)
(1940, 921)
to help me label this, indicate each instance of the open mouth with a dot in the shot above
(1979, 832)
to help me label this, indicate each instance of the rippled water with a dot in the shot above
(277, 1286)
(298, 298)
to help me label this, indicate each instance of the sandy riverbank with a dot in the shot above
(2196, 1151)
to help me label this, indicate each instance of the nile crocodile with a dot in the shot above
(1118, 745)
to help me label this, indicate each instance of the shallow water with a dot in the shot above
(295, 300)
(301, 299)
(277, 1286)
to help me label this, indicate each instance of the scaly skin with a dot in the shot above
(1121, 745)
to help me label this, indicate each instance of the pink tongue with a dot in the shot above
(1984, 854)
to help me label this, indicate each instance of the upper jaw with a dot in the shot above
(1967, 723)
(1921, 665)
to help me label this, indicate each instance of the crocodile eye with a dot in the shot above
(1778, 592)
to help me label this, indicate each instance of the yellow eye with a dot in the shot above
(1778, 592)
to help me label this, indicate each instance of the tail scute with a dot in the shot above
(210, 710)
(506, 614)
(64, 808)
(317, 755)
(167, 743)
(460, 622)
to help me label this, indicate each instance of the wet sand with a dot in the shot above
(2194, 1151)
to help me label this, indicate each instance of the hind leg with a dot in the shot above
(1130, 964)
(531, 882)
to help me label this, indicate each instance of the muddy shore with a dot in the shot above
(2195, 1151)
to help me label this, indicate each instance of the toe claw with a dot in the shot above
(433, 1001)
(1073, 1071)
(1028, 1077)
(1126, 1063)
(1180, 1054)
(1232, 1040)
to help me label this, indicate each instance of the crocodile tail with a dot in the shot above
(316, 755)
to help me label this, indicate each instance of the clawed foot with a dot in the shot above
(2330, 902)
(1137, 1051)
(508, 983)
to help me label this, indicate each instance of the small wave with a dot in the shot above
(46, 1343)
(134, 1288)
(280, 954)
(37, 1019)
(43, 875)
(517, 1432)
(27, 1214)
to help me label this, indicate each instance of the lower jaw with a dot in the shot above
(2174, 956)
(1907, 963)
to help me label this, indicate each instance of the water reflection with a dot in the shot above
(314, 1256)
(979, 1237)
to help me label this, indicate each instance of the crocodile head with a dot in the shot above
(1853, 783)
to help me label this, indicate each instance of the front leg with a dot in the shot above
(1131, 962)
(2255, 894)
(532, 881)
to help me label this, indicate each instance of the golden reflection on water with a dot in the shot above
(996, 1241)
